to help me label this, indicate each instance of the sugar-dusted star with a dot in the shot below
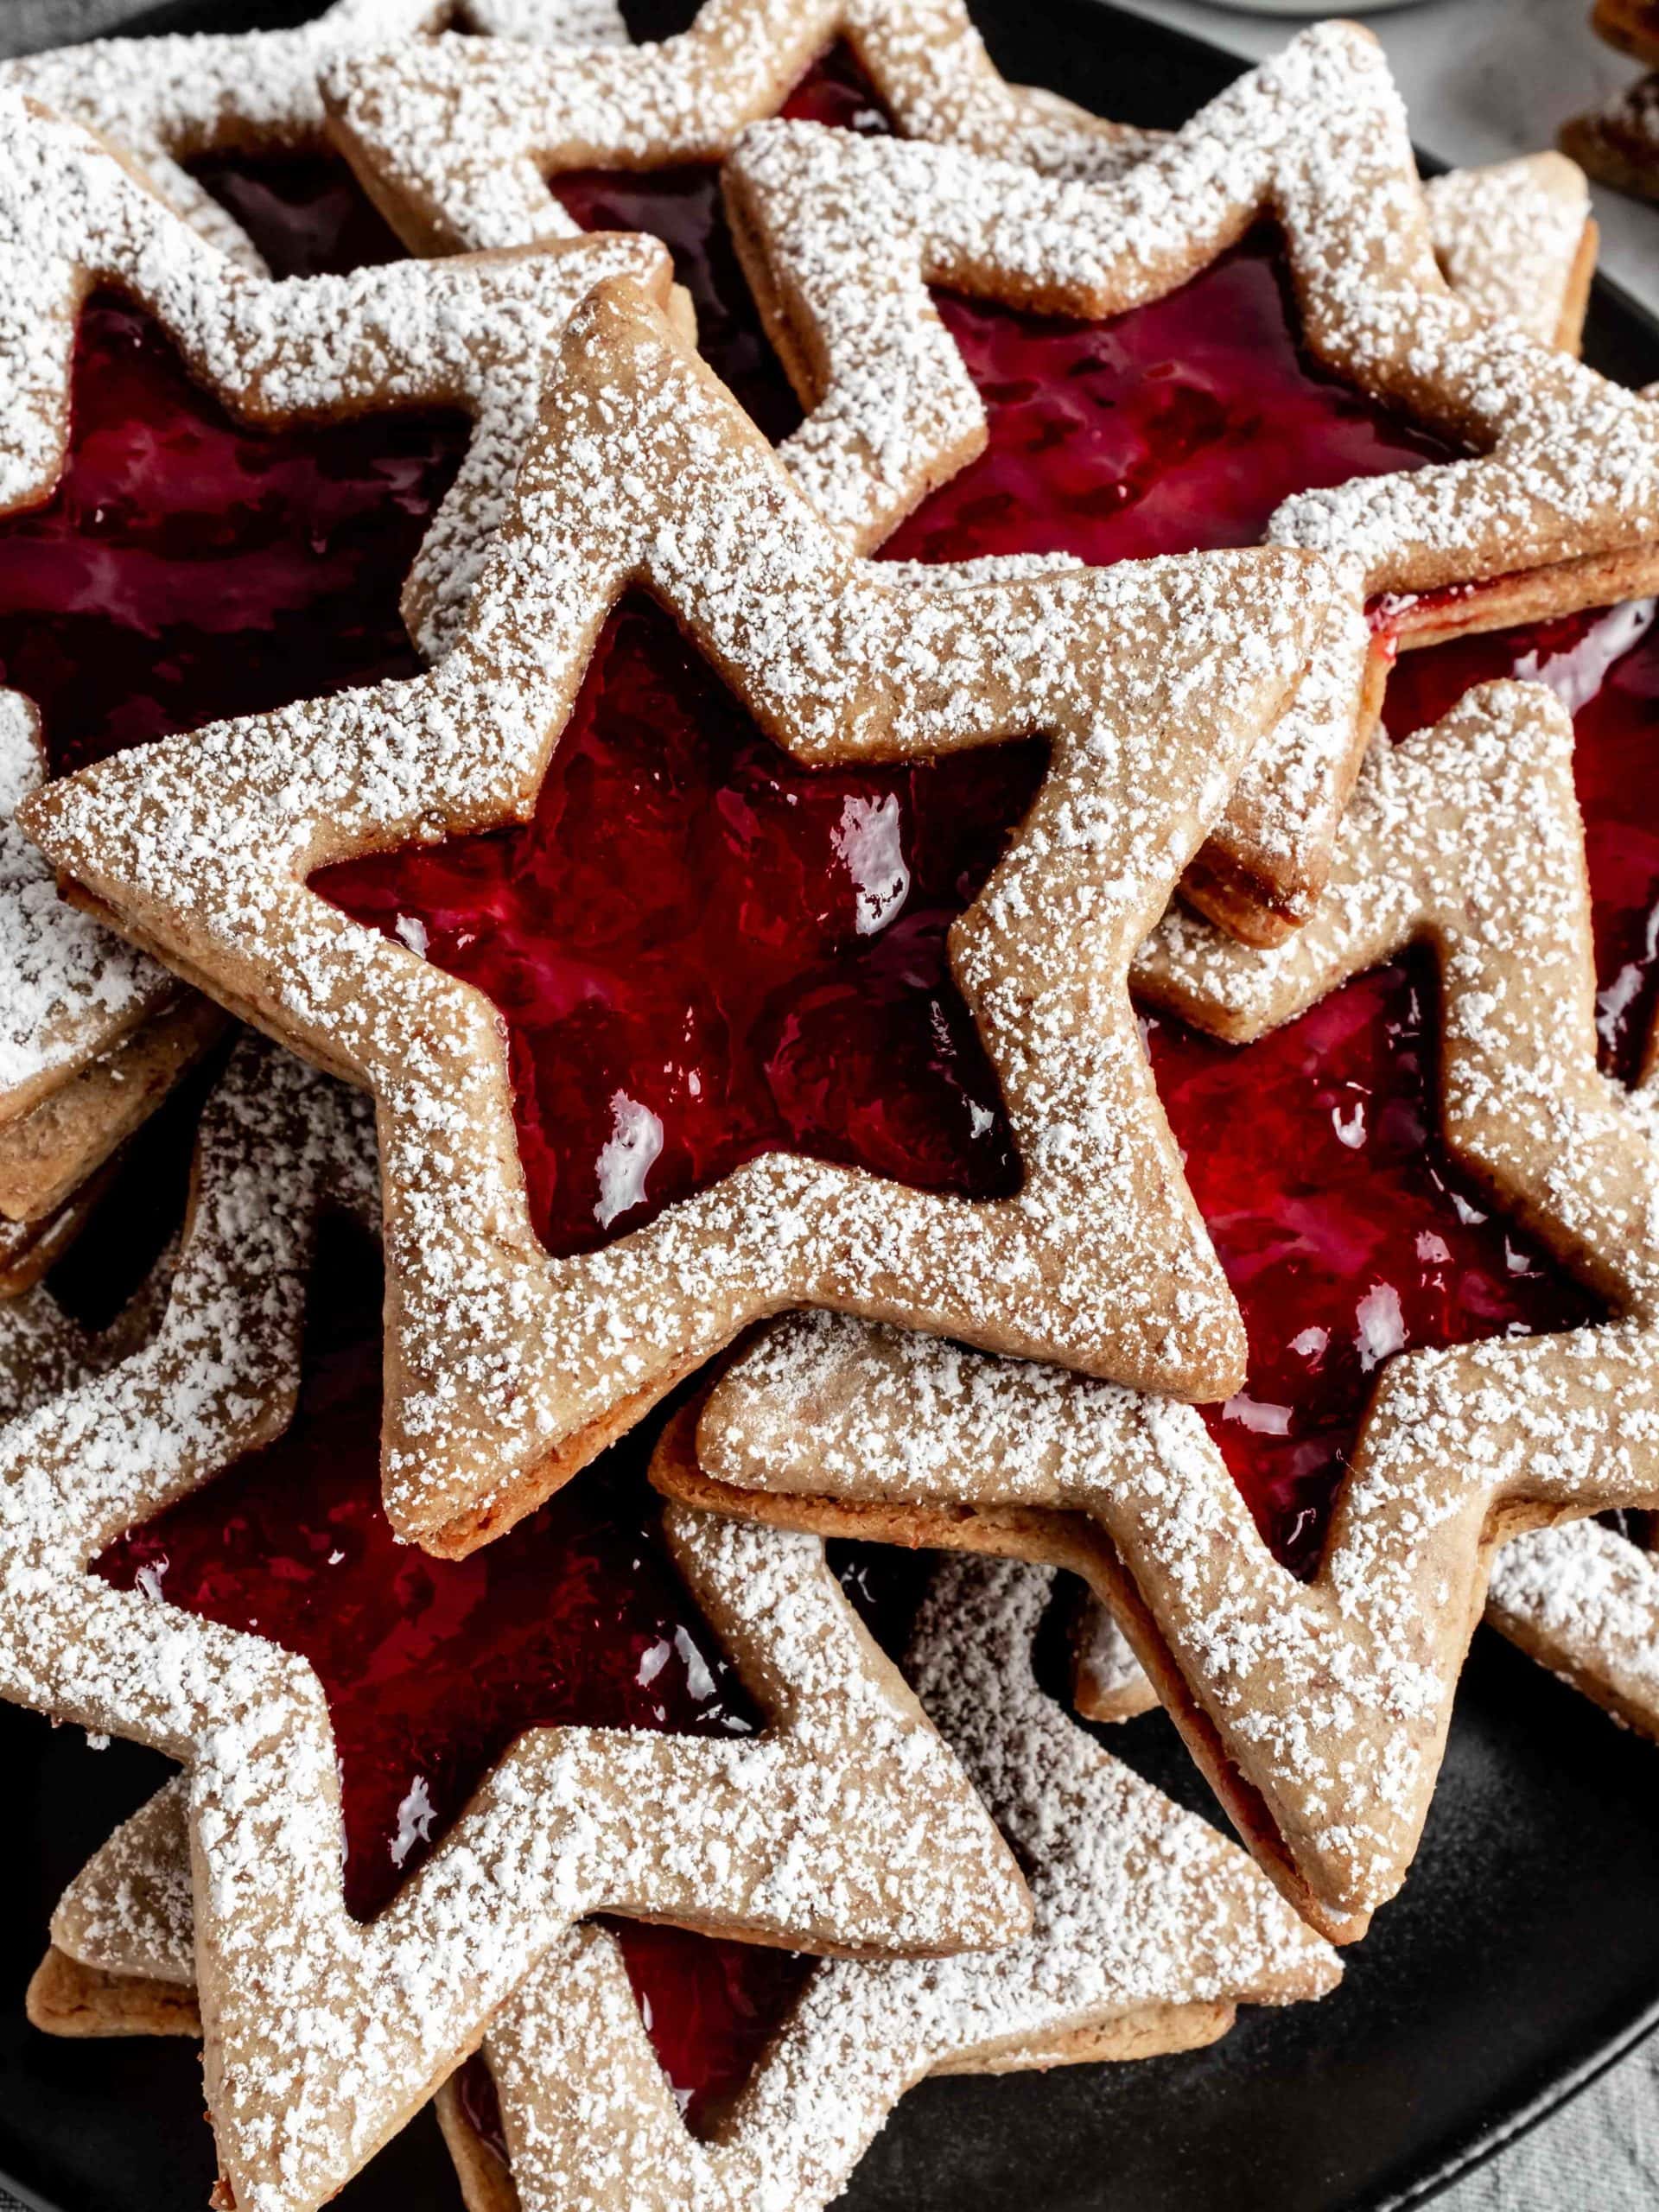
(455, 138)
(509, 1369)
(1557, 505)
(1149, 1930)
(471, 334)
(844, 1823)
(1318, 1710)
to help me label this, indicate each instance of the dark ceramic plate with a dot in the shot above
(1523, 1957)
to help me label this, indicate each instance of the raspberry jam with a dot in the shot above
(682, 207)
(1175, 428)
(704, 953)
(188, 567)
(432, 1667)
(1346, 1231)
(710, 2008)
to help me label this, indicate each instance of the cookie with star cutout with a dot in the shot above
(1504, 481)
(1149, 1930)
(461, 142)
(278, 379)
(1465, 839)
(799, 1796)
(543, 1298)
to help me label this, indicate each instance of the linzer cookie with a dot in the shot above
(1532, 486)
(455, 138)
(1619, 142)
(1149, 1930)
(79, 1058)
(542, 1299)
(165, 102)
(1467, 838)
(836, 1820)
(1517, 239)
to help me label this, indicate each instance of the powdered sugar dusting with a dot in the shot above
(1329, 1702)
(1147, 1927)
(845, 1822)
(458, 134)
(164, 100)
(1151, 682)
(474, 335)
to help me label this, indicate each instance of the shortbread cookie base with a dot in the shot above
(1046, 1537)
(49, 1153)
(67, 1998)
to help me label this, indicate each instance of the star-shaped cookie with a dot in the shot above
(843, 1824)
(166, 100)
(1318, 1710)
(511, 1368)
(77, 1006)
(1149, 1930)
(1555, 506)
(455, 138)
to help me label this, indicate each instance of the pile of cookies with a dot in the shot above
(769, 810)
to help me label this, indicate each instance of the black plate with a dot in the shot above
(1523, 1957)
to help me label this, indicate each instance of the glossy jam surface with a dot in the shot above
(188, 567)
(703, 953)
(683, 206)
(1177, 427)
(1345, 1232)
(432, 1667)
(710, 2008)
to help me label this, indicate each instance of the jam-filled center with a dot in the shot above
(189, 567)
(704, 953)
(432, 1668)
(1176, 428)
(1315, 1153)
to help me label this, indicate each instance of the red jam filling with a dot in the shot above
(704, 953)
(189, 567)
(710, 2008)
(1346, 1231)
(432, 1667)
(1176, 428)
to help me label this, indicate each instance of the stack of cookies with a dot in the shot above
(771, 810)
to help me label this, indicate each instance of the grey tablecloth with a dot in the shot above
(1483, 78)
